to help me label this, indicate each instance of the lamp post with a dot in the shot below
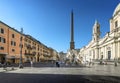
(20, 63)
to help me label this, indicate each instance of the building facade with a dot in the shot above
(32, 49)
(108, 47)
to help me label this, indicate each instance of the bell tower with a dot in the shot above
(96, 31)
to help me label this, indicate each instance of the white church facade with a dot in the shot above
(108, 47)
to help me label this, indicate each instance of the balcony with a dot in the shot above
(33, 53)
(29, 46)
(28, 54)
(46, 55)
(33, 47)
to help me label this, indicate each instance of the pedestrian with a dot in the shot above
(31, 63)
(57, 64)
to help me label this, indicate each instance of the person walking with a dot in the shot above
(31, 63)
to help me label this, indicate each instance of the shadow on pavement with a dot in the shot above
(56, 78)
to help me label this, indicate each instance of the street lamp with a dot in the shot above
(20, 63)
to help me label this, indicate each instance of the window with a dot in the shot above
(13, 36)
(13, 43)
(116, 24)
(2, 31)
(1, 48)
(13, 50)
(2, 40)
(26, 40)
(21, 38)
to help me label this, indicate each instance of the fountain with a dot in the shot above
(72, 56)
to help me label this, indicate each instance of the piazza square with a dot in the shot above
(28, 57)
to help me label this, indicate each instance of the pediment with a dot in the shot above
(91, 44)
(106, 39)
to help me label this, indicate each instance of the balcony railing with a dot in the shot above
(27, 53)
(28, 46)
(33, 47)
(33, 53)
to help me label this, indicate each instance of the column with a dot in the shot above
(104, 52)
(114, 50)
(118, 51)
(93, 54)
(99, 53)
(96, 53)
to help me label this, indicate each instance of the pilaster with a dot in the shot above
(118, 49)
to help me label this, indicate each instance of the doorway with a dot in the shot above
(109, 55)
(2, 59)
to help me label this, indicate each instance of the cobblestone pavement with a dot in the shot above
(94, 74)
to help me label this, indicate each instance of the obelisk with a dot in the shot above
(72, 46)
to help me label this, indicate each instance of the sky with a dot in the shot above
(49, 20)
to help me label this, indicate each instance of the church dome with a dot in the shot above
(117, 9)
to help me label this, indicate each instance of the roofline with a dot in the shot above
(29, 36)
(10, 27)
(23, 34)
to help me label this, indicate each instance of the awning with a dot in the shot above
(3, 53)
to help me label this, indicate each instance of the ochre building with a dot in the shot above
(32, 49)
